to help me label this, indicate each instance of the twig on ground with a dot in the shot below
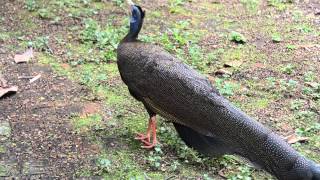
(35, 78)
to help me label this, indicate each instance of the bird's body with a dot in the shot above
(204, 119)
(172, 89)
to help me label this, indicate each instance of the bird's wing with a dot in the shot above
(171, 88)
(176, 91)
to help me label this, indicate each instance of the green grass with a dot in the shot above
(82, 124)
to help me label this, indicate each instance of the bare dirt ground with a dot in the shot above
(36, 138)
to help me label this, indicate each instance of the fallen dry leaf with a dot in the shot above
(4, 91)
(25, 57)
(234, 64)
(312, 84)
(35, 78)
(222, 72)
(293, 138)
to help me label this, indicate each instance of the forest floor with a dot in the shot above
(78, 120)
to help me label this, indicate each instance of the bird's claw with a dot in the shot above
(149, 145)
(143, 138)
(146, 138)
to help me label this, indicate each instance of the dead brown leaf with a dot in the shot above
(222, 72)
(312, 84)
(234, 64)
(4, 91)
(25, 57)
(293, 138)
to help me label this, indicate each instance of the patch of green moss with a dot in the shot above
(84, 124)
(244, 53)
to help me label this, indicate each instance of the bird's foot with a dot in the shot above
(143, 138)
(149, 145)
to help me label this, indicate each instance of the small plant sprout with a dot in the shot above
(237, 37)
(276, 38)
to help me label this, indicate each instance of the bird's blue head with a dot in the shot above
(136, 21)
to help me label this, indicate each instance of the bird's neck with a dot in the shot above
(135, 27)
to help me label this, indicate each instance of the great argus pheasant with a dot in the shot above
(203, 118)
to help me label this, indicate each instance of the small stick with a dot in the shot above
(35, 78)
(25, 77)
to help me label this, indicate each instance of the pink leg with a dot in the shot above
(146, 138)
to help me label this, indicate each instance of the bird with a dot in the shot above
(203, 118)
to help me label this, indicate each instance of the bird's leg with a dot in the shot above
(146, 138)
(149, 145)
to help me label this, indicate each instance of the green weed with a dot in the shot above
(305, 28)
(244, 172)
(85, 124)
(297, 104)
(251, 4)
(237, 37)
(41, 43)
(288, 69)
(105, 39)
(309, 76)
(311, 130)
(175, 6)
(291, 47)
(45, 13)
(4, 36)
(224, 87)
(154, 158)
(118, 2)
(297, 15)
(104, 165)
(276, 38)
(279, 4)
(31, 5)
